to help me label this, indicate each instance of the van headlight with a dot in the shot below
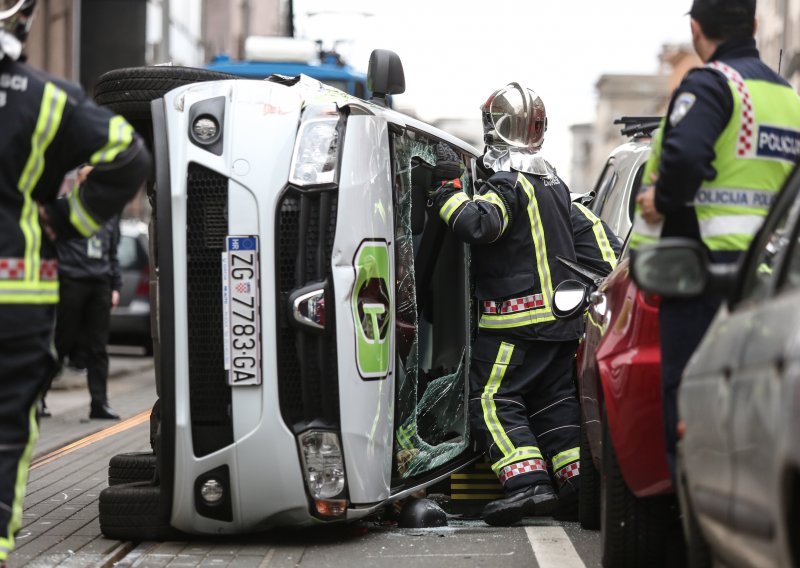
(316, 152)
(323, 463)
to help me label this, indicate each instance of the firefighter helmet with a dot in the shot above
(16, 17)
(514, 116)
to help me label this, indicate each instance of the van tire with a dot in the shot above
(589, 493)
(130, 90)
(132, 512)
(131, 467)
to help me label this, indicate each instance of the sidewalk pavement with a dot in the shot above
(131, 390)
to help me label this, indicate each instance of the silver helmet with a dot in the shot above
(16, 17)
(514, 116)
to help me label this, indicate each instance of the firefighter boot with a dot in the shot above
(568, 496)
(534, 500)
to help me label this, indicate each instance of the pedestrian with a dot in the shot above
(523, 405)
(49, 127)
(89, 284)
(723, 151)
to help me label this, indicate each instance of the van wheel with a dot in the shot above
(589, 494)
(634, 532)
(133, 512)
(130, 467)
(698, 553)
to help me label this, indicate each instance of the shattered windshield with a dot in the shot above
(433, 323)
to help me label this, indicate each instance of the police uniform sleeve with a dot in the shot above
(482, 219)
(697, 115)
(88, 134)
(113, 256)
(596, 246)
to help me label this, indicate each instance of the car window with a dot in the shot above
(637, 183)
(602, 188)
(127, 252)
(770, 245)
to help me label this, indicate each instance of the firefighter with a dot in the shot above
(523, 406)
(729, 140)
(48, 128)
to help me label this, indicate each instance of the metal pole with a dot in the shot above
(165, 27)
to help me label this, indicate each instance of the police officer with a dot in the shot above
(715, 168)
(523, 405)
(48, 128)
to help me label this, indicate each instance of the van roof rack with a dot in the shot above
(638, 126)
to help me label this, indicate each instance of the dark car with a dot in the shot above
(739, 457)
(625, 483)
(130, 320)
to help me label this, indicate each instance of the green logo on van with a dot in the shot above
(372, 309)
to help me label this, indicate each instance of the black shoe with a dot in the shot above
(537, 500)
(568, 497)
(103, 411)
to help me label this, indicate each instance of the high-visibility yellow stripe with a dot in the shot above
(566, 457)
(15, 523)
(478, 496)
(473, 475)
(537, 234)
(520, 454)
(51, 111)
(451, 205)
(487, 399)
(475, 485)
(120, 136)
(78, 215)
(494, 199)
(600, 236)
(508, 321)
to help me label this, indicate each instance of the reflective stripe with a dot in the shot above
(600, 236)
(494, 199)
(735, 197)
(120, 136)
(730, 225)
(51, 112)
(15, 523)
(513, 305)
(487, 399)
(13, 269)
(563, 458)
(524, 466)
(451, 205)
(78, 215)
(522, 453)
(537, 234)
(28, 293)
(490, 321)
(571, 470)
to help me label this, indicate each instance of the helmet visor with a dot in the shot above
(9, 7)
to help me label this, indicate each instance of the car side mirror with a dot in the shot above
(570, 299)
(673, 268)
(385, 75)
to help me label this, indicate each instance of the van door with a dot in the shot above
(433, 325)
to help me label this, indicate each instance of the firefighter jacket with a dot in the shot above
(518, 225)
(49, 128)
(730, 139)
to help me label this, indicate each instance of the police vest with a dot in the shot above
(754, 154)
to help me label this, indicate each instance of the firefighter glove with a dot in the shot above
(448, 164)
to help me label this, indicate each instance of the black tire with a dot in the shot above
(129, 91)
(133, 512)
(634, 532)
(698, 552)
(589, 494)
(131, 467)
(155, 423)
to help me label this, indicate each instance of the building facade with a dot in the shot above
(778, 37)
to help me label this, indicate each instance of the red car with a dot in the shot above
(626, 489)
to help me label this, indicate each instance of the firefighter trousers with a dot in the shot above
(524, 408)
(26, 362)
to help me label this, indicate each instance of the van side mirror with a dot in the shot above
(385, 75)
(673, 268)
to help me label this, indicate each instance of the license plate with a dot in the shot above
(241, 319)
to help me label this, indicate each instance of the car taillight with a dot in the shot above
(143, 287)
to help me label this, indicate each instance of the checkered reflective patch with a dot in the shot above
(525, 466)
(14, 269)
(570, 470)
(514, 305)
